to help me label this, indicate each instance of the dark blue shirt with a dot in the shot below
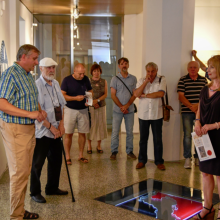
(74, 87)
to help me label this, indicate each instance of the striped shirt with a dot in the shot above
(18, 88)
(191, 90)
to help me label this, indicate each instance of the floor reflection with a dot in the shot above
(161, 200)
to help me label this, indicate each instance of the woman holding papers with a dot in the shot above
(208, 121)
(98, 130)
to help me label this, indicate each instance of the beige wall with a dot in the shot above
(10, 34)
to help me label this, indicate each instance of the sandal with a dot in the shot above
(30, 215)
(99, 151)
(210, 211)
(83, 160)
(89, 151)
(68, 161)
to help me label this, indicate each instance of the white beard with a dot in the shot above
(50, 78)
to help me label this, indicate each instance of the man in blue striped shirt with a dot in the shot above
(19, 109)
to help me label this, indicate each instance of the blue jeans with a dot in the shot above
(156, 126)
(187, 138)
(116, 125)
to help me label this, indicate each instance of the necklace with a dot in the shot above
(214, 90)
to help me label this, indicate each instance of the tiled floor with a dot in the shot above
(99, 177)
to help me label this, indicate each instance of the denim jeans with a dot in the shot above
(116, 125)
(156, 126)
(187, 138)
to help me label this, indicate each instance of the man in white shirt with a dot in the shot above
(150, 90)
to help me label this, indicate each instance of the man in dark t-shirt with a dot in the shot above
(189, 87)
(76, 112)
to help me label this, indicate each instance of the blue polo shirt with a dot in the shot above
(122, 92)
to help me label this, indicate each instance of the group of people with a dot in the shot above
(35, 115)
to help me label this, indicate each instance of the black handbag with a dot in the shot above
(135, 107)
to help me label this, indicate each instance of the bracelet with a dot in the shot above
(217, 125)
(197, 119)
(50, 126)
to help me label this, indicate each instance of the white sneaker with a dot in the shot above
(197, 161)
(187, 164)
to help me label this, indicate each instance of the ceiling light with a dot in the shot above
(78, 43)
(34, 24)
(74, 36)
(76, 12)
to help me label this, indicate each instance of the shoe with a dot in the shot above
(68, 161)
(30, 215)
(197, 161)
(39, 198)
(58, 192)
(187, 164)
(161, 167)
(131, 155)
(140, 165)
(99, 151)
(198, 216)
(113, 156)
(89, 151)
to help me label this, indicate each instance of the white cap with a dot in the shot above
(47, 62)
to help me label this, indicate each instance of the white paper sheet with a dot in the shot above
(89, 99)
(203, 146)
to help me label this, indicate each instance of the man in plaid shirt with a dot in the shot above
(19, 108)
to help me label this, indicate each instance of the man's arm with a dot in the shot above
(202, 65)
(10, 109)
(73, 98)
(154, 95)
(185, 101)
(115, 98)
(139, 91)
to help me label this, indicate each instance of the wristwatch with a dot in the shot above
(98, 100)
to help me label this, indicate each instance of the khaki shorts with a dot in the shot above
(73, 118)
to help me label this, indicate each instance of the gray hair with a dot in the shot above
(151, 64)
(26, 49)
(193, 61)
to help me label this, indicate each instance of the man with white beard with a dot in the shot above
(48, 135)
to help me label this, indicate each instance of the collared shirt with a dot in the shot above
(49, 97)
(19, 89)
(191, 89)
(121, 91)
(151, 108)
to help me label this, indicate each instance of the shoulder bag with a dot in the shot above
(166, 107)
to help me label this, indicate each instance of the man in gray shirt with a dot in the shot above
(123, 107)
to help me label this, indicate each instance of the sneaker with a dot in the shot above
(197, 161)
(131, 155)
(113, 156)
(187, 164)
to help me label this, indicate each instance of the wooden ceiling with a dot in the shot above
(86, 7)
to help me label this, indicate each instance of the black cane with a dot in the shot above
(64, 154)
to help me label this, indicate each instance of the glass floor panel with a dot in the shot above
(161, 200)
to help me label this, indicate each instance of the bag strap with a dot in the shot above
(166, 95)
(125, 85)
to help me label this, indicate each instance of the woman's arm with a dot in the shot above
(198, 125)
(103, 97)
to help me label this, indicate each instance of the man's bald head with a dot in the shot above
(193, 68)
(79, 71)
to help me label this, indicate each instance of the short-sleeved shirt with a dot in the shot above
(122, 92)
(49, 97)
(151, 108)
(19, 89)
(74, 87)
(191, 89)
